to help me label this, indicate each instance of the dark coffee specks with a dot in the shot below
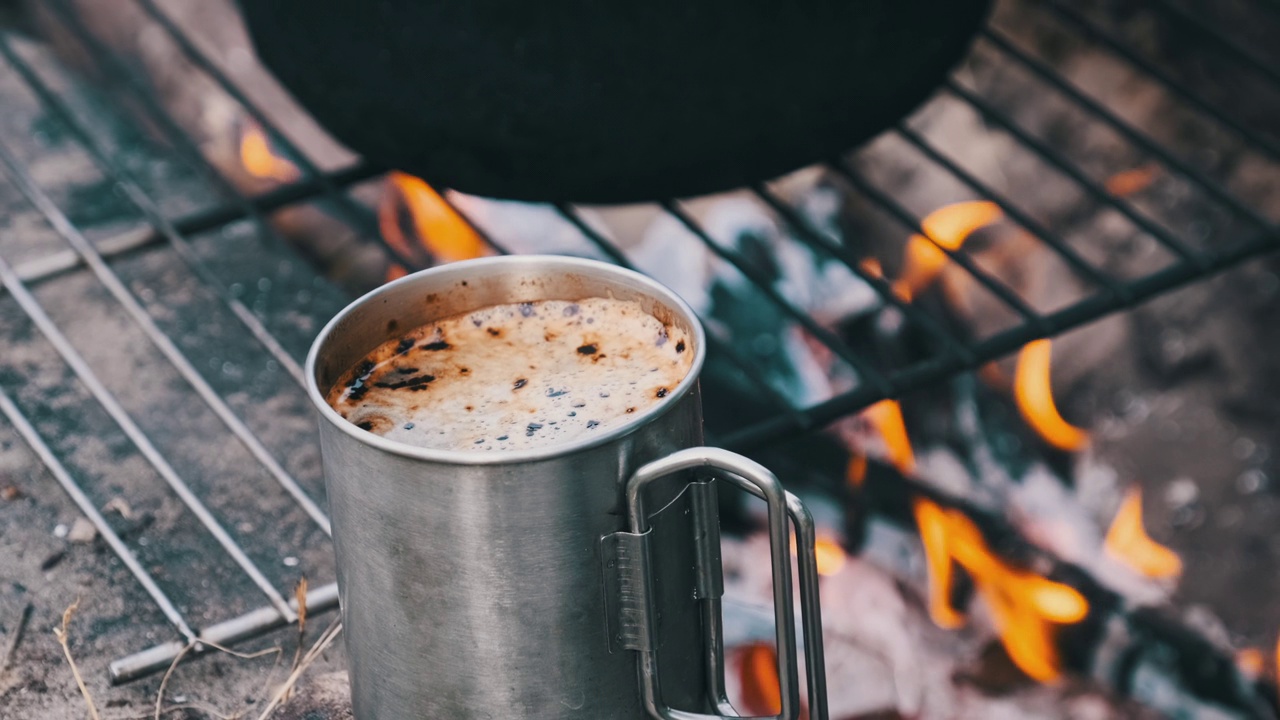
(662, 392)
(408, 426)
(520, 382)
(591, 424)
(403, 346)
(630, 410)
(413, 383)
(495, 332)
(552, 392)
(604, 395)
(580, 405)
(365, 425)
(406, 370)
(680, 346)
(587, 349)
(503, 437)
(532, 428)
(437, 345)
(573, 414)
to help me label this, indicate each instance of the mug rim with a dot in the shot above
(461, 269)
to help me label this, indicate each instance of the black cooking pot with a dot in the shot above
(600, 101)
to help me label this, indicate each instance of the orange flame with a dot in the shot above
(436, 226)
(1031, 389)
(950, 225)
(1128, 542)
(761, 694)
(856, 471)
(1025, 606)
(1251, 661)
(258, 159)
(1128, 182)
(830, 556)
(886, 416)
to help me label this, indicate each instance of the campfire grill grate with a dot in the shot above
(950, 354)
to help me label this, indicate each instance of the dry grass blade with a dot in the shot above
(300, 592)
(326, 638)
(15, 638)
(61, 634)
(164, 682)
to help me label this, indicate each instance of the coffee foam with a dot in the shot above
(516, 377)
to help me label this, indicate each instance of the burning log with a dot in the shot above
(1139, 651)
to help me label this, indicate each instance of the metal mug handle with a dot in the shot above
(638, 606)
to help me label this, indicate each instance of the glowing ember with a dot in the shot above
(758, 672)
(435, 225)
(1127, 541)
(830, 556)
(258, 159)
(950, 226)
(886, 416)
(1251, 662)
(1034, 396)
(856, 471)
(1025, 606)
(1128, 182)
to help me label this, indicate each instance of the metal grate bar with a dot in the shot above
(1096, 34)
(1131, 133)
(1001, 344)
(1058, 160)
(182, 143)
(82, 501)
(882, 200)
(1213, 36)
(828, 338)
(811, 237)
(42, 202)
(31, 307)
(193, 223)
(714, 343)
(1082, 267)
(356, 213)
(127, 182)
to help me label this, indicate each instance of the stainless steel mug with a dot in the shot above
(575, 581)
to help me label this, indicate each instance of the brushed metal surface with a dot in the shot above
(470, 583)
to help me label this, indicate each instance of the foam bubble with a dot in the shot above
(514, 377)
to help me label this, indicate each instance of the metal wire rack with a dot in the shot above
(1255, 233)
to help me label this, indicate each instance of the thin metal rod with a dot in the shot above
(175, 134)
(1081, 313)
(1121, 49)
(193, 223)
(229, 632)
(76, 362)
(59, 221)
(714, 344)
(1215, 37)
(1058, 160)
(1082, 267)
(357, 215)
(1131, 133)
(826, 337)
(913, 224)
(819, 241)
(82, 501)
(128, 183)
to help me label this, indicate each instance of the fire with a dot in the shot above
(886, 416)
(1128, 182)
(950, 225)
(1251, 662)
(1034, 396)
(830, 556)
(1127, 541)
(258, 159)
(1026, 606)
(435, 225)
(761, 694)
(856, 471)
